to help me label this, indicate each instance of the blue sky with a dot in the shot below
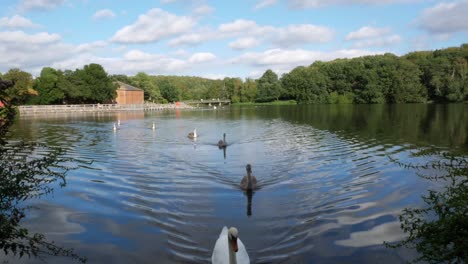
(215, 39)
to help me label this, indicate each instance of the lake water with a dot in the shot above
(330, 189)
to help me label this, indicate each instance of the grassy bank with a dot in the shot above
(288, 102)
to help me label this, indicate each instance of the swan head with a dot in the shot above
(195, 132)
(248, 168)
(232, 236)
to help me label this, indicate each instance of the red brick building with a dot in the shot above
(127, 94)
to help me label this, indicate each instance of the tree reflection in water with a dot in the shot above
(26, 171)
(439, 230)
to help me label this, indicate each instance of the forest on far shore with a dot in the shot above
(417, 77)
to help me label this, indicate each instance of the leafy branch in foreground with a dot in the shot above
(439, 231)
(22, 177)
(26, 171)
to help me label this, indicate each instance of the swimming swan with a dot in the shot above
(154, 126)
(249, 182)
(115, 128)
(193, 134)
(229, 249)
(222, 143)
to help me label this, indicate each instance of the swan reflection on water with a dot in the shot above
(249, 194)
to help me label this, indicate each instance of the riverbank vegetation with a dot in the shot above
(417, 77)
(26, 174)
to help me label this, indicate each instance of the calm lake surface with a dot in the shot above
(330, 189)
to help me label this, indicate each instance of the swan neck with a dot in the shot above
(232, 254)
(249, 180)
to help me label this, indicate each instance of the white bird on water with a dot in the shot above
(229, 249)
(118, 122)
(192, 135)
(154, 126)
(115, 128)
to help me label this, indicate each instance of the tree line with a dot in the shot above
(417, 77)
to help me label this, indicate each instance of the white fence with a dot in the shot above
(38, 109)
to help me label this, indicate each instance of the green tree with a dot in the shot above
(145, 82)
(168, 91)
(47, 86)
(269, 87)
(94, 84)
(306, 85)
(248, 91)
(22, 90)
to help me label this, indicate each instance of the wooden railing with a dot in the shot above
(36, 109)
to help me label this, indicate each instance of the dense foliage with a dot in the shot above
(439, 230)
(417, 77)
(25, 174)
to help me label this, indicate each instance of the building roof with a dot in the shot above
(127, 87)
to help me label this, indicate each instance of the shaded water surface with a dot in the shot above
(330, 191)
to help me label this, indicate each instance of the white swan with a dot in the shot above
(229, 249)
(115, 128)
(154, 126)
(193, 134)
(118, 122)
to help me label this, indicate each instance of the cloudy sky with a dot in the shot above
(213, 39)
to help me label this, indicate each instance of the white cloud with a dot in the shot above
(17, 21)
(189, 39)
(203, 10)
(367, 32)
(265, 3)
(300, 34)
(103, 14)
(153, 26)
(27, 51)
(244, 43)
(283, 36)
(89, 47)
(299, 4)
(378, 42)
(373, 37)
(201, 57)
(21, 37)
(445, 18)
(32, 52)
(285, 60)
(240, 25)
(26, 5)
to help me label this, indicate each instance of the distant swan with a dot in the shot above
(229, 249)
(115, 128)
(249, 182)
(193, 134)
(154, 126)
(118, 122)
(222, 143)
